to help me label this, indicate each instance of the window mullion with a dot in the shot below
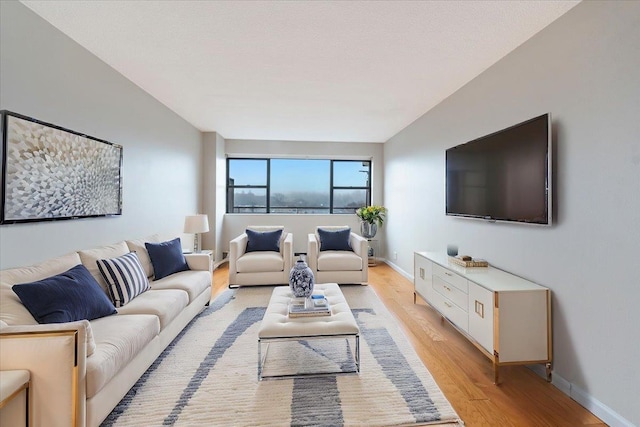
(331, 188)
(268, 185)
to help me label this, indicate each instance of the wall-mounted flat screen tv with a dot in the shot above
(504, 176)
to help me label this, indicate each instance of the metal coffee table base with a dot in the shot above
(262, 357)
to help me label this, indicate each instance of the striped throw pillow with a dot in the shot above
(125, 277)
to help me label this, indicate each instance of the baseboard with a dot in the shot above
(593, 405)
(399, 270)
(219, 263)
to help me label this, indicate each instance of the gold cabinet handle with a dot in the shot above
(480, 309)
(447, 304)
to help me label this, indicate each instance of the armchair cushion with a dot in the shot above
(66, 297)
(335, 240)
(257, 262)
(339, 261)
(263, 240)
(166, 258)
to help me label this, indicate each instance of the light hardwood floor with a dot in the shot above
(462, 372)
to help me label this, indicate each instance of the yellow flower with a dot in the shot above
(372, 214)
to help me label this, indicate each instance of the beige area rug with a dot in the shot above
(208, 375)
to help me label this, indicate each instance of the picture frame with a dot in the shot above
(52, 173)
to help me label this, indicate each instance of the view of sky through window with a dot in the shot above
(297, 185)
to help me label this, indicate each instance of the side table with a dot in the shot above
(373, 252)
(12, 383)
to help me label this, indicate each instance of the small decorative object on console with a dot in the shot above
(301, 280)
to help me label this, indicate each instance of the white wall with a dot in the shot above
(221, 195)
(46, 75)
(584, 69)
(301, 225)
(214, 190)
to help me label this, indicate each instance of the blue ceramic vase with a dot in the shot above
(301, 280)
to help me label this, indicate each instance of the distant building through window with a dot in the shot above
(297, 186)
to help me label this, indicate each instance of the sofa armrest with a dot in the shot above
(312, 252)
(237, 248)
(55, 355)
(200, 262)
(287, 255)
(359, 245)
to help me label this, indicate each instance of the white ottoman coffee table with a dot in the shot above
(278, 326)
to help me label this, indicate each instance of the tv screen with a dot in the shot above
(504, 176)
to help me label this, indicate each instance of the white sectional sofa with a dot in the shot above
(80, 370)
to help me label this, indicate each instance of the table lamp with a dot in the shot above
(196, 224)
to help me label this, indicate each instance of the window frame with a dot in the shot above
(332, 188)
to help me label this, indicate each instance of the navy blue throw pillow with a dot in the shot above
(335, 240)
(66, 297)
(263, 240)
(166, 258)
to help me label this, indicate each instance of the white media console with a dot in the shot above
(505, 316)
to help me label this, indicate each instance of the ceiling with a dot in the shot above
(352, 71)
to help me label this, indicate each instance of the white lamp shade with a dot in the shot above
(194, 224)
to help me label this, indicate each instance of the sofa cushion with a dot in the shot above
(166, 258)
(166, 304)
(254, 262)
(119, 339)
(140, 249)
(339, 261)
(263, 240)
(193, 282)
(66, 297)
(125, 277)
(335, 240)
(90, 256)
(39, 271)
(12, 311)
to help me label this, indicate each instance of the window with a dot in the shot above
(300, 186)
(247, 185)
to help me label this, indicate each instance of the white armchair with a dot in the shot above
(338, 266)
(260, 267)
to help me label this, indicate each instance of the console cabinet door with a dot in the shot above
(422, 277)
(481, 316)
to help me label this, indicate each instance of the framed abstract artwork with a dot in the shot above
(52, 173)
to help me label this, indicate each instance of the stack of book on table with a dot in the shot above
(317, 305)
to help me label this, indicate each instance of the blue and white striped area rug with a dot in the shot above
(208, 375)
